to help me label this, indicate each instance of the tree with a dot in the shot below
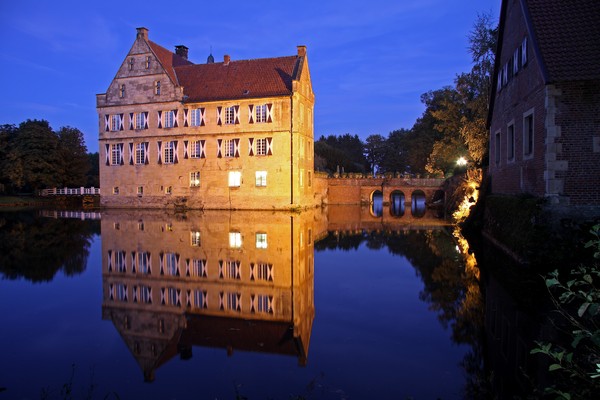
(73, 162)
(374, 150)
(93, 175)
(33, 159)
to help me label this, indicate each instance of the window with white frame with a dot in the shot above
(260, 113)
(140, 120)
(195, 238)
(200, 298)
(262, 272)
(264, 304)
(229, 147)
(143, 260)
(120, 265)
(195, 179)
(198, 268)
(230, 115)
(261, 178)
(261, 240)
(145, 294)
(115, 122)
(232, 270)
(116, 153)
(235, 178)
(169, 119)
(528, 134)
(510, 142)
(171, 264)
(196, 117)
(235, 240)
(140, 153)
(169, 152)
(261, 147)
(195, 149)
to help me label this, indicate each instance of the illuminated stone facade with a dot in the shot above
(227, 135)
(237, 281)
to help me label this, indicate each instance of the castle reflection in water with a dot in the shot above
(238, 280)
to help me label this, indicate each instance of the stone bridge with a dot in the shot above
(367, 190)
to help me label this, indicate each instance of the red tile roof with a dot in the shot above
(235, 80)
(168, 59)
(568, 36)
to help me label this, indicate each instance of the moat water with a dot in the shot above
(335, 304)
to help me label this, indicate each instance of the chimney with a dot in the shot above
(226, 59)
(182, 51)
(301, 51)
(142, 33)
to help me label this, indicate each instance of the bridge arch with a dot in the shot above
(376, 203)
(397, 200)
(418, 205)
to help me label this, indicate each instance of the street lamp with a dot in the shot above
(461, 162)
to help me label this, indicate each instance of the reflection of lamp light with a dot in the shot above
(461, 162)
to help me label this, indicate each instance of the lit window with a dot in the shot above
(195, 179)
(261, 178)
(261, 113)
(169, 119)
(261, 147)
(230, 115)
(261, 240)
(169, 152)
(235, 178)
(156, 87)
(195, 238)
(140, 153)
(235, 240)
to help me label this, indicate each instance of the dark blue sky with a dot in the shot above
(370, 61)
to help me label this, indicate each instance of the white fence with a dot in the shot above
(80, 191)
(82, 215)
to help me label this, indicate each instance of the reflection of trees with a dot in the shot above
(451, 285)
(37, 248)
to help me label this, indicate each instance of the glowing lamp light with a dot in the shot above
(461, 162)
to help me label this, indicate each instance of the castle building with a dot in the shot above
(226, 135)
(545, 102)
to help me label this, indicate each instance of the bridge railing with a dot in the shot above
(80, 191)
(82, 215)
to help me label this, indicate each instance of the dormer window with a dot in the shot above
(157, 88)
(122, 91)
(148, 62)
